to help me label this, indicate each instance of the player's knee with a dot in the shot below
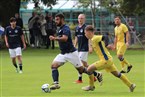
(120, 58)
(119, 75)
(53, 66)
(14, 60)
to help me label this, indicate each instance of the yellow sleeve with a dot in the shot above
(115, 31)
(97, 38)
(125, 29)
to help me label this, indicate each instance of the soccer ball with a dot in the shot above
(46, 88)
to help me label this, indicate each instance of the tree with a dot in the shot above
(9, 7)
(127, 7)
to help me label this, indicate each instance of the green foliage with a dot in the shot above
(127, 7)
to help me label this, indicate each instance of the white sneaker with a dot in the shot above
(54, 86)
(20, 71)
(132, 87)
(88, 88)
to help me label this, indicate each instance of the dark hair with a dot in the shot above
(12, 19)
(90, 28)
(60, 15)
(118, 17)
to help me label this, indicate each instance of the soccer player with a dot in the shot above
(121, 42)
(68, 52)
(83, 46)
(105, 62)
(13, 39)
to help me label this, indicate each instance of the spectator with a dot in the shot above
(50, 30)
(30, 26)
(19, 21)
(43, 31)
(37, 32)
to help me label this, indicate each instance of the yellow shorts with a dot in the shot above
(107, 65)
(121, 48)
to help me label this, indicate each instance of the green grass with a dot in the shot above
(37, 71)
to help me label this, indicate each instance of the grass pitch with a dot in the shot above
(37, 72)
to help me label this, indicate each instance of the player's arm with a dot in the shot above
(115, 42)
(75, 41)
(23, 41)
(6, 38)
(127, 38)
(90, 46)
(62, 39)
(6, 41)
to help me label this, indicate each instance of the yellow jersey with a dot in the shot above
(120, 32)
(99, 47)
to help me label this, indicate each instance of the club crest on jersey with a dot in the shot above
(16, 31)
(9, 31)
(59, 31)
(81, 30)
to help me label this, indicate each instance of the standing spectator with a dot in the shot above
(43, 30)
(30, 26)
(50, 30)
(13, 37)
(37, 32)
(19, 21)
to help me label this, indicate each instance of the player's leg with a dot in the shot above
(13, 57)
(57, 62)
(125, 80)
(19, 57)
(120, 53)
(83, 57)
(99, 65)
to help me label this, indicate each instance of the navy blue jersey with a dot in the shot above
(82, 39)
(65, 47)
(14, 36)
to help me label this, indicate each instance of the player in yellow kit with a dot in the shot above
(106, 61)
(121, 42)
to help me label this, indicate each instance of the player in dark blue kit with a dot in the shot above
(14, 38)
(83, 46)
(68, 51)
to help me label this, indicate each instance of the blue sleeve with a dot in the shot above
(6, 32)
(76, 31)
(66, 31)
(20, 31)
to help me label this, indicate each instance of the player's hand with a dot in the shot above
(7, 45)
(24, 46)
(111, 46)
(51, 37)
(127, 44)
(90, 50)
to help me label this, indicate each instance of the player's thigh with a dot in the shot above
(100, 65)
(83, 56)
(121, 49)
(74, 59)
(60, 58)
(12, 53)
(111, 67)
(18, 51)
(58, 61)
